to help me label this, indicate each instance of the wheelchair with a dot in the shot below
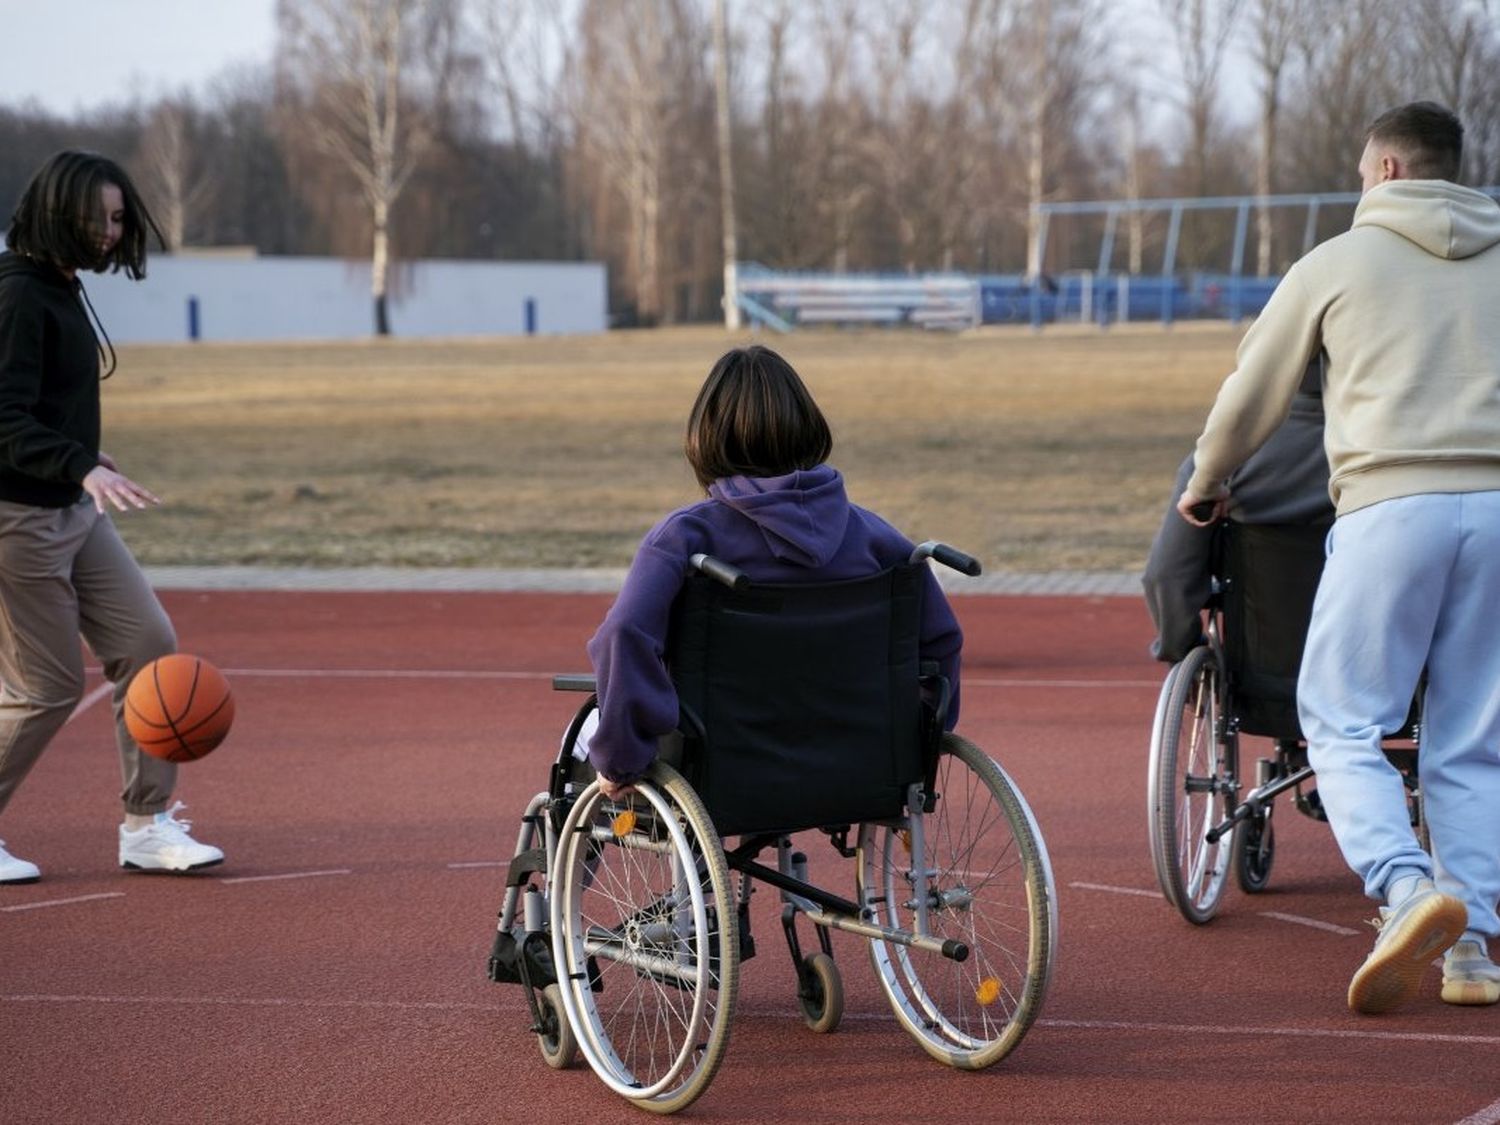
(803, 708)
(1242, 680)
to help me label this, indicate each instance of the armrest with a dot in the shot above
(573, 681)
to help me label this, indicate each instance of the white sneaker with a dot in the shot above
(1469, 976)
(164, 845)
(15, 870)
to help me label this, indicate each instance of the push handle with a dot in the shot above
(1202, 510)
(719, 571)
(950, 557)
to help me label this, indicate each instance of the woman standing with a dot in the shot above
(64, 572)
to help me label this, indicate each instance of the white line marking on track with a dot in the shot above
(288, 875)
(389, 673)
(1489, 1115)
(1297, 919)
(60, 902)
(1116, 890)
(90, 699)
(231, 1002)
(982, 682)
(480, 863)
(1291, 1032)
(504, 674)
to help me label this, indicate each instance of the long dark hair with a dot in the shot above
(754, 417)
(58, 217)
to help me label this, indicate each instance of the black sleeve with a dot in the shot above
(27, 445)
(1177, 579)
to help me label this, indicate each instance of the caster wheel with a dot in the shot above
(822, 997)
(559, 1047)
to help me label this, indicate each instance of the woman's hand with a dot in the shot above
(615, 790)
(104, 483)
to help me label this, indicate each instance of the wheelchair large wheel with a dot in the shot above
(1190, 777)
(988, 884)
(646, 940)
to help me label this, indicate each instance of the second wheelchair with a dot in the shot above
(1205, 815)
(802, 711)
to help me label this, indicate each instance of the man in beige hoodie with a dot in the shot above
(1406, 306)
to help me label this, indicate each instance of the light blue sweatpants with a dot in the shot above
(1411, 582)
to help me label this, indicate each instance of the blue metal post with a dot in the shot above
(192, 311)
(531, 316)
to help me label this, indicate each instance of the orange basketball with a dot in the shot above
(178, 707)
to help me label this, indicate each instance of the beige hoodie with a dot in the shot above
(1407, 306)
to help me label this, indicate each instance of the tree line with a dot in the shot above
(659, 135)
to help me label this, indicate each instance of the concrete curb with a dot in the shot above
(579, 581)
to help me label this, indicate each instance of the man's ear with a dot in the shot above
(1392, 168)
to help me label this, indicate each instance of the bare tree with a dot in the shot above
(783, 169)
(1045, 59)
(1455, 55)
(1337, 91)
(370, 80)
(897, 138)
(1135, 226)
(639, 97)
(724, 131)
(172, 171)
(954, 166)
(839, 28)
(1273, 31)
(528, 49)
(1202, 30)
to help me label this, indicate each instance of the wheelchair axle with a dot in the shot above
(1255, 802)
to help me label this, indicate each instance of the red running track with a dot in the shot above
(332, 969)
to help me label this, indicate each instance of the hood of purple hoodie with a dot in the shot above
(802, 515)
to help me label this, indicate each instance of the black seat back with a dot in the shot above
(807, 696)
(1269, 577)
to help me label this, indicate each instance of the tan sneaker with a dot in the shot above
(1469, 976)
(1411, 935)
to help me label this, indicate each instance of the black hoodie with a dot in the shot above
(49, 386)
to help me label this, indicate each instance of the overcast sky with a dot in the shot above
(69, 55)
(72, 55)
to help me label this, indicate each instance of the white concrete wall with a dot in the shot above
(326, 299)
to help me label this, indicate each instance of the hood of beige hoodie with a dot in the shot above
(1443, 218)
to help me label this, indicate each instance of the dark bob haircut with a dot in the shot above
(1429, 136)
(59, 217)
(754, 417)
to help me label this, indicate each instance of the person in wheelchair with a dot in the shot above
(776, 510)
(798, 651)
(1284, 482)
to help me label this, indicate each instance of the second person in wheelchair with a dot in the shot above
(1285, 481)
(776, 510)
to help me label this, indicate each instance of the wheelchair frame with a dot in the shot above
(624, 924)
(1200, 824)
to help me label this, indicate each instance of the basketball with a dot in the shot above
(178, 707)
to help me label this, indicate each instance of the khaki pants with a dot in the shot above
(65, 574)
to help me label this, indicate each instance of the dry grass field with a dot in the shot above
(1035, 452)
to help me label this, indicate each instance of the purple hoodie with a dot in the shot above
(794, 528)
